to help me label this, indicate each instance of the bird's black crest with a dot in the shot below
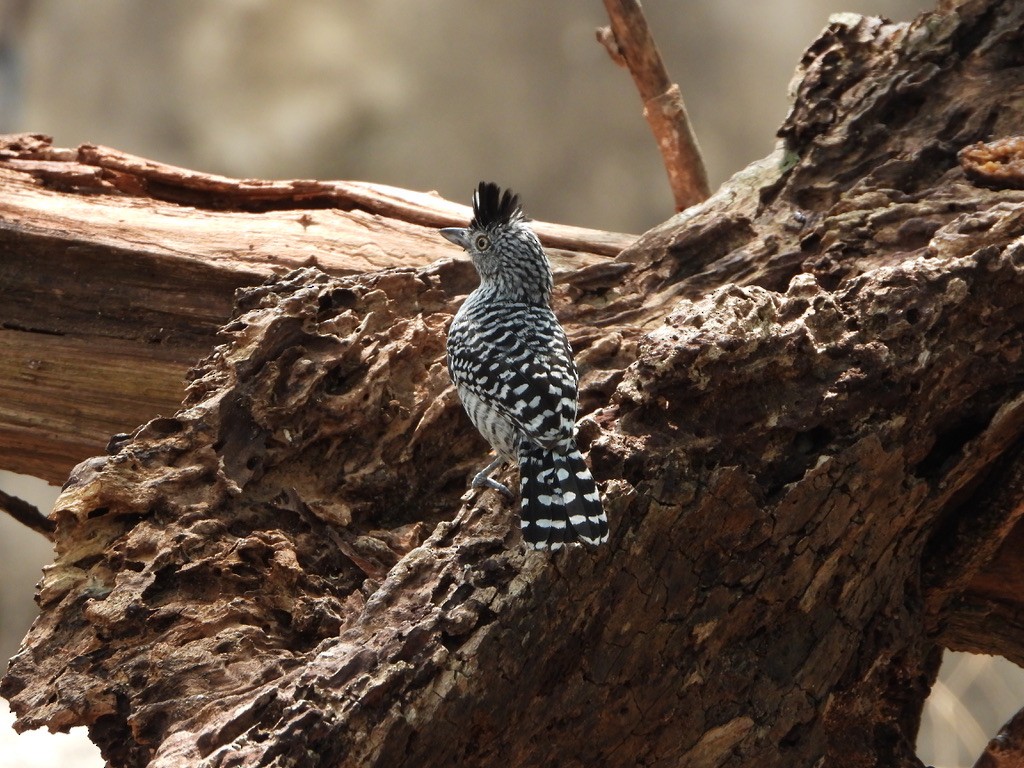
(491, 206)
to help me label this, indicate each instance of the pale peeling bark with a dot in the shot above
(803, 400)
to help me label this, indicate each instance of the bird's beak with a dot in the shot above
(458, 236)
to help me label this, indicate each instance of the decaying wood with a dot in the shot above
(630, 43)
(116, 272)
(803, 400)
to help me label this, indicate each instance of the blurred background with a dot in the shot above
(427, 96)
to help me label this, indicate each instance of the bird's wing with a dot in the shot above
(526, 372)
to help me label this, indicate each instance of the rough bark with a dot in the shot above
(803, 399)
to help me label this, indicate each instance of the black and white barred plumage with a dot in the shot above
(513, 368)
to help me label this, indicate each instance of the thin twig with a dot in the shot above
(629, 42)
(27, 514)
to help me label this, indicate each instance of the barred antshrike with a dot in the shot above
(513, 368)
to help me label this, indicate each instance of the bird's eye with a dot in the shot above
(482, 242)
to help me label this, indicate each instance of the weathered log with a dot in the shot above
(116, 272)
(803, 399)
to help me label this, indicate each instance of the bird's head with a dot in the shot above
(505, 251)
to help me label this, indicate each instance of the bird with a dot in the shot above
(513, 368)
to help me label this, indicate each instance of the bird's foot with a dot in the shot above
(482, 481)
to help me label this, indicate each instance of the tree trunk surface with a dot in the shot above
(803, 399)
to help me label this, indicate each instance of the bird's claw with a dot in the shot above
(487, 482)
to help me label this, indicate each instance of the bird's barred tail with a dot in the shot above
(560, 501)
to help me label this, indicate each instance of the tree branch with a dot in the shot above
(630, 44)
(27, 514)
